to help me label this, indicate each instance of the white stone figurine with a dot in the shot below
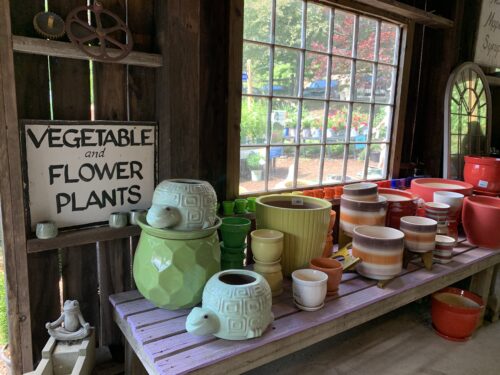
(70, 325)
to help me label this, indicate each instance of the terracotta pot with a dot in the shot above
(425, 187)
(303, 221)
(483, 173)
(380, 249)
(455, 313)
(333, 268)
(481, 218)
(399, 203)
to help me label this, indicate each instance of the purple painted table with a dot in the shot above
(159, 339)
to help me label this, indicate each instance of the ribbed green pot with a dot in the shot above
(304, 223)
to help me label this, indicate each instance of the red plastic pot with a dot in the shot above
(483, 173)
(452, 320)
(425, 187)
(480, 219)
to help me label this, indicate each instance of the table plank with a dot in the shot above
(126, 309)
(337, 316)
(130, 295)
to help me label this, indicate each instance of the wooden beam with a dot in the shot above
(234, 97)
(68, 50)
(407, 40)
(13, 221)
(82, 237)
(412, 13)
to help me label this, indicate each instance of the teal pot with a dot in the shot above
(171, 267)
(234, 231)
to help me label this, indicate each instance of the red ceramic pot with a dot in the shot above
(425, 187)
(399, 203)
(483, 173)
(481, 218)
(455, 313)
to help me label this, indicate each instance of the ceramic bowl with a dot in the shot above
(455, 313)
(354, 213)
(267, 244)
(362, 191)
(380, 249)
(420, 233)
(425, 187)
(481, 218)
(483, 173)
(399, 203)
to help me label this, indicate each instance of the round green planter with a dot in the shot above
(171, 273)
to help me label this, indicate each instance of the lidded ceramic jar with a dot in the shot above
(171, 267)
(183, 204)
(236, 306)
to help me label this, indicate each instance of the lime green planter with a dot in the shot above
(172, 272)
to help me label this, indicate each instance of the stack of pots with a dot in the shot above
(399, 203)
(361, 205)
(178, 250)
(267, 247)
(234, 231)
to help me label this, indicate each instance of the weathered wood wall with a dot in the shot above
(186, 96)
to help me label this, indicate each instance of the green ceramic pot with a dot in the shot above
(172, 272)
(232, 250)
(234, 230)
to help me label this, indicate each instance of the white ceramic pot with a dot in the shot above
(195, 202)
(236, 306)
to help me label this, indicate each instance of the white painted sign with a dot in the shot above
(488, 35)
(78, 173)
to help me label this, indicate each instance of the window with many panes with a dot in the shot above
(318, 89)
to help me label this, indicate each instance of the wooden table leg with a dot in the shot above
(133, 365)
(494, 297)
(427, 259)
(481, 284)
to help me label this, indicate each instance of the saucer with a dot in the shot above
(305, 308)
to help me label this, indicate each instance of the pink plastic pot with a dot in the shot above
(483, 173)
(481, 218)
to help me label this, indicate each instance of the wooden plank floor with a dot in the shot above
(159, 338)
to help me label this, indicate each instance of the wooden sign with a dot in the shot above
(78, 173)
(488, 35)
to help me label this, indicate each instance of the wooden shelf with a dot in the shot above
(64, 49)
(81, 237)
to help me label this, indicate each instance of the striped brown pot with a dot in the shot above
(444, 249)
(362, 191)
(420, 233)
(354, 213)
(380, 249)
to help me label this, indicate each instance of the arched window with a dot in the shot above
(467, 118)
